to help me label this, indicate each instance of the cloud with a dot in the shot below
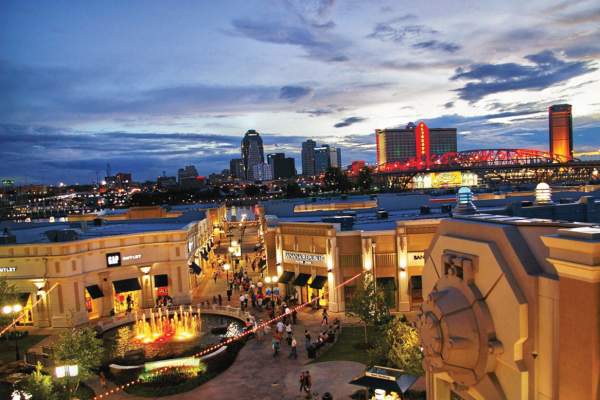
(544, 70)
(294, 93)
(317, 46)
(393, 32)
(437, 45)
(317, 112)
(449, 104)
(349, 121)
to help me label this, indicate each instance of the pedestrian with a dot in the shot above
(306, 339)
(290, 333)
(215, 276)
(102, 380)
(302, 381)
(214, 299)
(220, 299)
(294, 352)
(242, 298)
(275, 344)
(229, 292)
(307, 382)
(294, 316)
(325, 320)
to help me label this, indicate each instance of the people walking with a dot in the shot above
(325, 320)
(307, 382)
(220, 299)
(302, 381)
(229, 293)
(294, 352)
(307, 339)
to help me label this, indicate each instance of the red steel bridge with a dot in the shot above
(494, 167)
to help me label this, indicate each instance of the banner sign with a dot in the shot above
(416, 258)
(295, 257)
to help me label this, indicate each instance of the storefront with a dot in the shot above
(126, 295)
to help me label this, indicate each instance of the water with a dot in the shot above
(120, 341)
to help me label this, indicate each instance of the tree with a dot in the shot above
(399, 347)
(365, 179)
(368, 304)
(336, 180)
(79, 347)
(292, 190)
(37, 385)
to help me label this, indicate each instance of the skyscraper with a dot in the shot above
(252, 152)
(335, 157)
(282, 166)
(322, 159)
(308, 157)
(561, 131)
(399, 144)
(236, 168)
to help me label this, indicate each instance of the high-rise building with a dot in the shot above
(322, 158)
(561, 131)
(283, 167)
(398, 144)
(335, 157)
(166, 182)
(252, 152)
(236, 168)
(188, 177)
(262, 172)
(308, 157)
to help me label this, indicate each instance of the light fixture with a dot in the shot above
(267, 279)
(275, 279)
(66, 371)
(226, 266)
(145, 269)
(543, 193)
(6, 309)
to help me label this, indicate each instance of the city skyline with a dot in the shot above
(185, 93)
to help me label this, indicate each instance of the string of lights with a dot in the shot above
(230, 340)
(22, 313)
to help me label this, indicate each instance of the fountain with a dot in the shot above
(158, 326)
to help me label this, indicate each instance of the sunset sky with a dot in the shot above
(151, 86)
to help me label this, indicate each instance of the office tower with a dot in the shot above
(236, 168)
(252, 152)
(262, 172)
(283, 167)
(398, 144)
(335, 157)
(166, 182)
(188, 177)
(561, 131)
(322, 159)
(308, 157)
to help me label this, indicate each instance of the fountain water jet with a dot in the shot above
(157, 325)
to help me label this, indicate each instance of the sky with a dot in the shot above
(151, 86)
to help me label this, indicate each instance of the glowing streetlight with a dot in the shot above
(14, 309)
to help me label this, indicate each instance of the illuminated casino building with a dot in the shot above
(399, 144)
(94, 269)
(561, 131)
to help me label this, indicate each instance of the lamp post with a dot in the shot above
(14, 309)
(226, 267)
(373, 245)
(67, 371)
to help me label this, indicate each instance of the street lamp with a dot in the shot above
(226, 267)
(67, 371)
(14, 309)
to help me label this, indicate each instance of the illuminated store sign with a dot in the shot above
(132, 257)
(113, 259)
(8, 269)
(295, 257)
(416, 258)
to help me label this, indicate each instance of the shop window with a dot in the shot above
(348, 294)
(415, 288)
(388, 285)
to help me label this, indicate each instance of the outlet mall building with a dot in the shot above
(99, 267)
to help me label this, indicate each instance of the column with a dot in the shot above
(147, 297)
(575, 253)
(402, 251)
(334, 276)
(107, 290)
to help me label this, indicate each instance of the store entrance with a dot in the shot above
(127, 295)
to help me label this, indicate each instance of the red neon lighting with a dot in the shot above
(422, 144)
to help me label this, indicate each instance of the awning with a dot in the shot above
(23, 298)
(127, 285)
(286, 277)
(318, 282)
(161, 280)
(195, 269)
(94, 291)
(301, 279)
(388, 379)
(386, 283)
